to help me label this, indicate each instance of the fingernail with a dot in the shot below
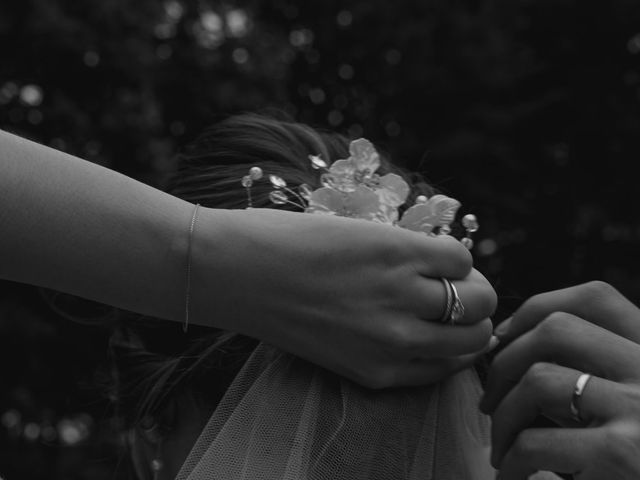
(493, 343)
(502, 329)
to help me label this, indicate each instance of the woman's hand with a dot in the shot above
(359, 298)
(550, 341)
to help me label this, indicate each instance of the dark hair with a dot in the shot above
(152, 363)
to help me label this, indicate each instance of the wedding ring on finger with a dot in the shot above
(578, 390)
(454, 309)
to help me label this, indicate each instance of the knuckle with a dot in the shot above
(521, 447)
(458, 258)
(387, 287)
(484, 331)
(621, 441)
(463, 261)
(534, 306)
(536, 377)
(390, 254)
(400, 338)
(489, 302)
(596, 290)
(498, 368)
(554, 327)
(630, 399)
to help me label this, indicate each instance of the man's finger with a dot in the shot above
(596, 302)
(568, 450)
(565, 339)
(547, 389)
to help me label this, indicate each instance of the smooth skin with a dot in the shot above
(359, 298)
(545, 346)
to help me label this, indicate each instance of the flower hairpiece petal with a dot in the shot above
(445, 208)
(343, 174)
(352, 188)
(417, 218)
(326, 200)
(437, 211)
(393, 190)
(387, 214)
(364, 155)
(363, 202)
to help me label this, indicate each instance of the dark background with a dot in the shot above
(526, 111)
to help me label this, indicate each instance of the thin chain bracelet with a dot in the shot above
(185, 326)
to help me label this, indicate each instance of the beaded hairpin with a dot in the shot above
(352, 188)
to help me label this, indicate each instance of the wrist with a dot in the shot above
(208, 257)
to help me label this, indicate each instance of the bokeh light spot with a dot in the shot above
(174, 10)
(31, 95)
(237, 22)
(8, 91)
(11, 418)
(346, 71)
(487, 247)
(164, 30)
(335, 118)
(211, 21)
(633, 45)
(300, 38)
(317, 96)
(344, 18)
(393, 56)
(31, 431)
(240, 55)
(209, 30)
(91, 58)
(69, 432)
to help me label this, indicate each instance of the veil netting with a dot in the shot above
(283, 418)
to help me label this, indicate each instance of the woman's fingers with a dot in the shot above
(550, 449)
(565, 339)
(547, 389)
(425, 372)
(428, 340)
(596, 302)
(426, 298)
(440, 256)
(417, 352)
(478, 297)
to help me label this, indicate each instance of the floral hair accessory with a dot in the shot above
(352, 188)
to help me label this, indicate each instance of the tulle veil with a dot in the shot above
(285, 419)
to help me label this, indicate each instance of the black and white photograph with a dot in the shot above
(319, 240)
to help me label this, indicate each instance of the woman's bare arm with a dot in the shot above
(80, 228)
(351, 295)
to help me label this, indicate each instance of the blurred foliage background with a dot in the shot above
(527, 111)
